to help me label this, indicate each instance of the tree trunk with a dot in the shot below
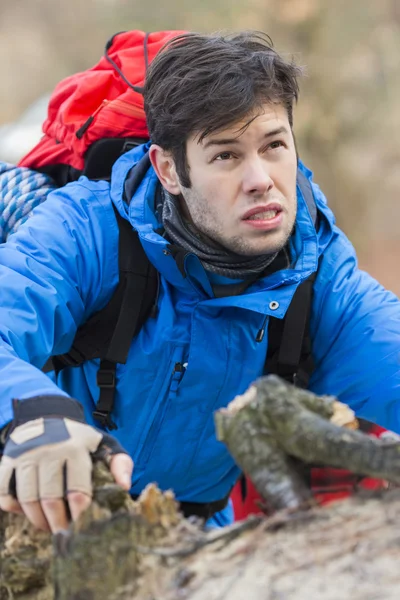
(145, 550)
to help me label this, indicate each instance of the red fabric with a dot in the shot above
(101, 93)
(328, 485)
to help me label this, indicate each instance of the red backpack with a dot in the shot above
(102, 102)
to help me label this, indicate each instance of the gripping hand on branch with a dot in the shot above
(46, 467)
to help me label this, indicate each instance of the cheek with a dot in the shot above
(288, 179)
(212, 197)
(206, 197)
(197, 204)
(205, 187)
(219, 204)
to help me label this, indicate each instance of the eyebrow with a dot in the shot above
(229, 141)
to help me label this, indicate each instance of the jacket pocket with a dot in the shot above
(162, 396)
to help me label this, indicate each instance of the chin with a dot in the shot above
(249, 250)
(267, 251)
(253, 246)
(273, 247)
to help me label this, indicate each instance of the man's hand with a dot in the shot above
(46, 468)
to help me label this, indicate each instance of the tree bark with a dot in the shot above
(146, 550)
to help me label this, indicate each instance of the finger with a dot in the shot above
(6, 476)
(55, 512)
(34, 513)
(51, 479)
(121, 467)
(27, 483)
(78, 483)
(78, 503)
(51, 493)
(27, 493)
(10, 504)
(78, 476)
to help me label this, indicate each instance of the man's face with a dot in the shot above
(243, 192)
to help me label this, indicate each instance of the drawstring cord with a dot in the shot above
(116, 68)
(261, 331)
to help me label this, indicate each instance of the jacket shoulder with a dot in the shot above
(78, 226)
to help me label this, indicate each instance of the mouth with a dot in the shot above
(260, 213)
(264, 217)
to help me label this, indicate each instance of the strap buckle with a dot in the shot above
(105, 378)
(104, 419)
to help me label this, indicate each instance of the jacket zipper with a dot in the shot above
(168, 392)
(177, 375)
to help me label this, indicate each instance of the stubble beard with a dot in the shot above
(209, 225)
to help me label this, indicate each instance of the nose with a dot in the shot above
(257, 178)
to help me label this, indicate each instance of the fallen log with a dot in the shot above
(146, 550)
(273, 423)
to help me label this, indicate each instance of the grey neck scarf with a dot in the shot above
(213, 256)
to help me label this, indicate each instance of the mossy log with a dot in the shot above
(146, 550)
(274, 425)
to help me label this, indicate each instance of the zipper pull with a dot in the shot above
(83, 129)
(179, 368)
(177, 374)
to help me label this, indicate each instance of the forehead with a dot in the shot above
(266, 119)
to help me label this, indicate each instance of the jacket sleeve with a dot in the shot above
(355, 330)
(55, 271)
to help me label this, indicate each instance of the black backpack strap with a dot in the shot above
(306, 189)
(103, 153)
(108, 333)
(106, 380)
(140, 283)
(99, 160)
(289, 342)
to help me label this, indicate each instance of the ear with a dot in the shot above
(164, 166)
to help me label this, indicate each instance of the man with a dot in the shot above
(221, 190)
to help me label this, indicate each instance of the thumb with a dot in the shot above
(121, 467)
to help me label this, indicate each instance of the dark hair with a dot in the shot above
(199, 84)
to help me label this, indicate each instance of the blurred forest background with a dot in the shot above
(347, 122)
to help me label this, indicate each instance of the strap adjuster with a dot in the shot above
(104, 419)
(105, 378)
(301, 378)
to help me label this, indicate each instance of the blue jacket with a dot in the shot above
(62, 266)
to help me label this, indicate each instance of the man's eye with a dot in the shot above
(223, 156)
(276, 144)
